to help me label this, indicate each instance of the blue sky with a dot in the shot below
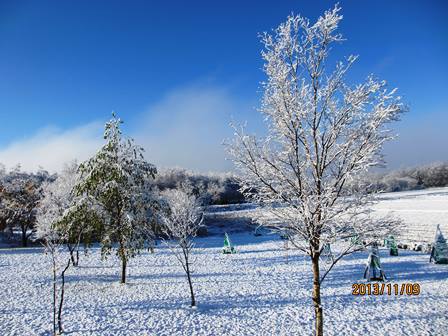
(177, 71)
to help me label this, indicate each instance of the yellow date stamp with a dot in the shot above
(386, 289)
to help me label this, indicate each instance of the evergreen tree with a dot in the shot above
(118, 178)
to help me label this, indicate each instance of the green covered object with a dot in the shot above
(439, 250)
(392, 245)
(228, 248)
(374, 271)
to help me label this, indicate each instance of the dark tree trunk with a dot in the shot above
(73, 256)
(193, 301)
(319, 326)
(61, 300)
(77, 257)
(187, 270)
(122, 255)
(24, 238)
(123, 270)
(72, 253)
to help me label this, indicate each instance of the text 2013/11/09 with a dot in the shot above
(387, 289)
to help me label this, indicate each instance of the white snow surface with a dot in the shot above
(421, 212)
(253, 292)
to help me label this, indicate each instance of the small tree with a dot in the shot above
(61, 221)
(54, 239)
(117, 179)
(323, 136)
(181, 222)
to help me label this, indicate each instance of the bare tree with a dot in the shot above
(181, 221)
(322, 136)
(54, 240)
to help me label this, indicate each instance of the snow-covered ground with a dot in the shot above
(421, 212)
(254, 292)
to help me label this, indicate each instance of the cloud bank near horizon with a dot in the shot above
(50, 148)
(186, 129)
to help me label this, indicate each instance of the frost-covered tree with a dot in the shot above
(118, 179)
(323, 134)
(180, 224)
(70, 214)
(20, 193)
(62, 220)
(54, 239)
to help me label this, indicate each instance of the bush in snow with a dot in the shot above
(428, 176)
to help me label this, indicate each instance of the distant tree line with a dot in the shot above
(421, 177)
(20, 192)
(211, 188)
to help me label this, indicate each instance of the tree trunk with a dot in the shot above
(193, 301)
(123, 269)
(74, 256)
(186, 267)
(319, 326)
(24, 238)
(72, 253)
(61, 300)
(77, 257)
(54, 294)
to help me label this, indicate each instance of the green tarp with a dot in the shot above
(392, 245)
(374, 271)
(439, 250)
(228, 248)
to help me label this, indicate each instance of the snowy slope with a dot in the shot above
(420, 210)
(254, 292)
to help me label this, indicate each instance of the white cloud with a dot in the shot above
(185, 129)
(50, 148)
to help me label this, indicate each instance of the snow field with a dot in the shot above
(420, 210)
(254, 292)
